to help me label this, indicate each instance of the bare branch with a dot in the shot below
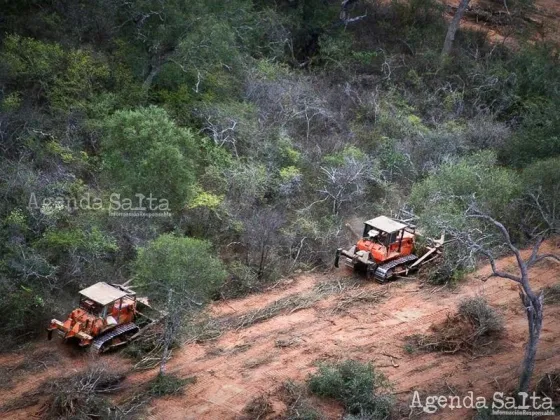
(535, 252)
(544, 257)
(505, 234)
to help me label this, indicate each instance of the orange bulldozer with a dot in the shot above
(108, 316)
(386, 249)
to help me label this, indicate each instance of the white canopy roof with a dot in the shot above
(102, 293)
(385, 224)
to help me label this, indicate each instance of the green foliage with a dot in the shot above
(419, 21)
(271, 70)
(145, 152)
(92, 241)
(537, 137)
(115, 97)
(340, 158)
(447, 199)
(445, 271)
(11, 102)
(206, 199)
(23, 309)
(454, 186)
(357, 386)
(541, 181)
(242, 280)
(164, 385)
(335, 48)
(543, 177)
(186, 265)
(289, 173)
(65, 78)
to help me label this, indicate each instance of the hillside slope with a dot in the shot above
(315, 318)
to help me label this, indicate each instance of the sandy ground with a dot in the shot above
(244, 363)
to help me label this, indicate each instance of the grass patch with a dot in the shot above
(473, 328)
(168, 384)
(358, 387)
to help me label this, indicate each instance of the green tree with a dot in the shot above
(467, 200)
(448, 192)
(180, 274)
(145, 152)
(541, 181)
(184, 264)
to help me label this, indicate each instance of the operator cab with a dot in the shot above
(389, 233)
(102, 299)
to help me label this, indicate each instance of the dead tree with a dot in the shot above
(453, 26)
(532, 302)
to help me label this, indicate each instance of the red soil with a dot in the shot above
(228, 378)
(242, 364)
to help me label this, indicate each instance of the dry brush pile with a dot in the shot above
(552, 294)
(473, 329)
(206, 328)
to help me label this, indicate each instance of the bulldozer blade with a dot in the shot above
(337, 257)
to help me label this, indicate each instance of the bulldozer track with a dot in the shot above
(104, 338)
(383, 272)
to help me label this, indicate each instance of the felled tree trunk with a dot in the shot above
(453, 26)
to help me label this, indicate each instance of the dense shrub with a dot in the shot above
(360, 389)
(308, 121)
(145, 152)
(185, 265)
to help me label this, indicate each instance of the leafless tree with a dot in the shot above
(347, 182)
(453, 26)
(482, 241)
(179, 303)
(222, 134)
(262, 240)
